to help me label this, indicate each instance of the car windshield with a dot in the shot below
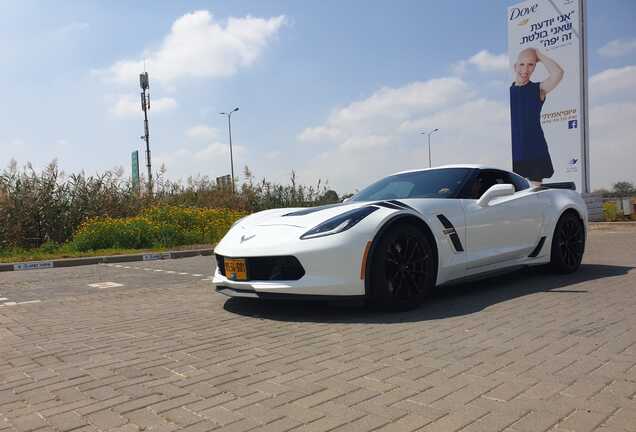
(436, 183)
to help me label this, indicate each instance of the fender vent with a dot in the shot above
(537, 249)
(450, 231)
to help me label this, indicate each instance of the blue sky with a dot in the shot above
(323, 86)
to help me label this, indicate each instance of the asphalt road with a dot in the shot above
(152, 347)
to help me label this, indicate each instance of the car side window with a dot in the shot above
(484, 181)
(519, 182)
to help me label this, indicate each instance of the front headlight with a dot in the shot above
(339, 223)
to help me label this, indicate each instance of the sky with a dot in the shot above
(336, 91)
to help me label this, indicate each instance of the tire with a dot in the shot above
(568, 244)
(402, 268)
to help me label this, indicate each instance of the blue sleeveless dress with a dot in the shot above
(530, 155)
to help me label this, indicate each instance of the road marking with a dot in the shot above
(170, 271)
(197, 275)
(103, 285)
(19, 303)
(158, 270)
(3, 298)
(183, 273)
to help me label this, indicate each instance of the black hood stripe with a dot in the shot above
(401, 204)
(388, 205)
(311, 210)
(392, 204)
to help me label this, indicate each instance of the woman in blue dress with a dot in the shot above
(530, 154)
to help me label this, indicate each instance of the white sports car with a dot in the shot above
(397, 239)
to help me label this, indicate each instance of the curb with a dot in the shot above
(73, 262)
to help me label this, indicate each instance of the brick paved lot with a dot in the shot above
(524, 352)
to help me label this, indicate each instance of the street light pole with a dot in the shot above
(429, 145)
(229, 128)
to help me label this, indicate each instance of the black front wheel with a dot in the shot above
(568, 244)
(403, 268)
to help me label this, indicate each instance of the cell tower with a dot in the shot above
(145, 106)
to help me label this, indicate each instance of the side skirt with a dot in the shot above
(484, 275)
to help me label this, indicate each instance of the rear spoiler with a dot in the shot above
(562, 185)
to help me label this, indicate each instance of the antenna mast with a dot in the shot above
(145, 106)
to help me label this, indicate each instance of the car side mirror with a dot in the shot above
(495, 191)
(346, 200)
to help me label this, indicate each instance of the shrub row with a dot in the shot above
(49, 206)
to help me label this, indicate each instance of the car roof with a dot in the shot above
(472, 166)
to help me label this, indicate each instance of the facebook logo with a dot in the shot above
(572, 124)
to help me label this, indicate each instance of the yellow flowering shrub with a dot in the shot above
(162, 226)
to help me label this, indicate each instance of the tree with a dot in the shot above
(624, 188)
(330, 196)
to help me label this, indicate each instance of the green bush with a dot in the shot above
(156, 227)
(610, 211)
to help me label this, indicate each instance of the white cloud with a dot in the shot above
(614, 82)
(128, 106)
(199, 47)
(393, 105)
(488, 62)
(484, 61)
(617, 48)
(202, 132)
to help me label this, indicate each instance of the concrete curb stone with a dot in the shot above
(72, 262)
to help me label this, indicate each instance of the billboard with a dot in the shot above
(135, 169)
(548, 91)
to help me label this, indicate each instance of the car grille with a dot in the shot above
(275, 268)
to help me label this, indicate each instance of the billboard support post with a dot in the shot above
(585, 139)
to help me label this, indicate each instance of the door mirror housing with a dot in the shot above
(346, 200)
(495, 191)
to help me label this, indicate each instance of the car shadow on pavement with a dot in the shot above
(447, 301)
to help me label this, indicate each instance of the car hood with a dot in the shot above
(301, 217)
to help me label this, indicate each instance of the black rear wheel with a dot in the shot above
(568, 244)
(403, 268)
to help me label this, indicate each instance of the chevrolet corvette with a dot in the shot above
(393, 242)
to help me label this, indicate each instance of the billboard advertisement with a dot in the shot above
(135, 169)
(547, 91)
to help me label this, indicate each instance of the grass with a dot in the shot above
(15, 255)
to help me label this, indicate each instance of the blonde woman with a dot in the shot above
(530, 154)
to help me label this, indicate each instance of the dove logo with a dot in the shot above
(518, 12)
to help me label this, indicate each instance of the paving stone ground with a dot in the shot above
(530, 351)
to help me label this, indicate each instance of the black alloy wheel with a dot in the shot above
(568, 244)
(403, 272)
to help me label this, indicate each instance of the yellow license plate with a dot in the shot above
(235, 269)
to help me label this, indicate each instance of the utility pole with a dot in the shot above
(145, 106)
(229, 128)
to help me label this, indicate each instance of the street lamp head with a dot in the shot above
(235, 109)
(222, 113)
(435, 130)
